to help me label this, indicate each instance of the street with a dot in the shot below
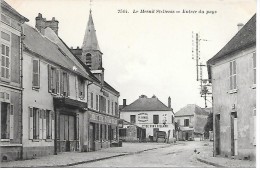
(179, 155)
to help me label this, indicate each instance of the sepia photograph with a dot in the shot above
(128, 84)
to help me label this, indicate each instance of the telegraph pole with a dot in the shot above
(204, 83)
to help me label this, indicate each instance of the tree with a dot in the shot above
(209, 125)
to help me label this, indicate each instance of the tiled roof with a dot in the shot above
(37, 43)
(12, 10)
(243, 39)
(146, 104)
(190, 110)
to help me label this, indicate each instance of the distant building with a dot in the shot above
(191, 121)
(11, 90)
(130, 132)
(151, 114)
(233, 74)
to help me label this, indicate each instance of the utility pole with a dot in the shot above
(204, 83)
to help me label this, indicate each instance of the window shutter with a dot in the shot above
(44, 124)
(30, 123)
(40, 123)
(49, 78)
(58, 81)
(52, 125)
(61, 83)
(11, 121)
(68, 85)
(37, 123)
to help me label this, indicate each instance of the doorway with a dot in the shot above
(233, 133)
(91, 137)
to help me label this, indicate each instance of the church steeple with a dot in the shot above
(90, 41)
(91, 54)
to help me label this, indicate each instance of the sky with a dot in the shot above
(147, 53)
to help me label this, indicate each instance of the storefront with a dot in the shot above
(103, 131)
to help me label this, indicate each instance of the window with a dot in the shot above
(7, 120)
(97, 102)
(132, 118)
(105, 131)
(54, 80)
(186, 122)
(233, 75)
(5, 62)
(65, 84)
(112, 107)
(48, 124)
(254, 127)
(36, 74)
(41, 124)
(108, 106)
(102, 104)
(116, 109)
(254, 67)
(35, 123)
(155, 119)
(88, 60)
(91, 100)
(81, 88)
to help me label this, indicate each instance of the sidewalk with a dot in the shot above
(74, 158)
(206, 156)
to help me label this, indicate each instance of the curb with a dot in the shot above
(89, 161)
(211, 163)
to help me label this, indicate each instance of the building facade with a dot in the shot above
(233, 74)
(151, 114)
(191, 120)
(11, 82)
(51, 101)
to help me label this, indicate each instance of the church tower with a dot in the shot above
(91, 54)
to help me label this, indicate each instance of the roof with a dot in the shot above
(12, 10)
(146, 104)
(37, 43)
(90, 41)
(191, 110)
(244, 38)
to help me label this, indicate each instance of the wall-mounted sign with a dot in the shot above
(142, 117)
(155, 126)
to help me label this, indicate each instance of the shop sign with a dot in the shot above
(142, 117)
(155, 126)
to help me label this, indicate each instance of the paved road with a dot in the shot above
(180, 155)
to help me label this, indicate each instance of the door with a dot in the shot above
(186, 135)
(67, 133)
(233, 133)
(217, 135)
(91, 137)
(154, 133)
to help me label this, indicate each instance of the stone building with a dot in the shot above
(11, 91)
(102, 98)
(151, 114)
(191, 120)
(233, 74)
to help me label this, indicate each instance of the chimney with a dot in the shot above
(239, 26)
(41, 24)
(124, 103)
(169, 102)
(143, 96)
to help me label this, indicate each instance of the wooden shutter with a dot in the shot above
(49, 79)
(40, 123)
(44, 125)
(68, 85)
(57, 81)
(11, 121)
(30, 123)
(61, 83)
(52, 125)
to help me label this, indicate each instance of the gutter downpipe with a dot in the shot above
(21, 76)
